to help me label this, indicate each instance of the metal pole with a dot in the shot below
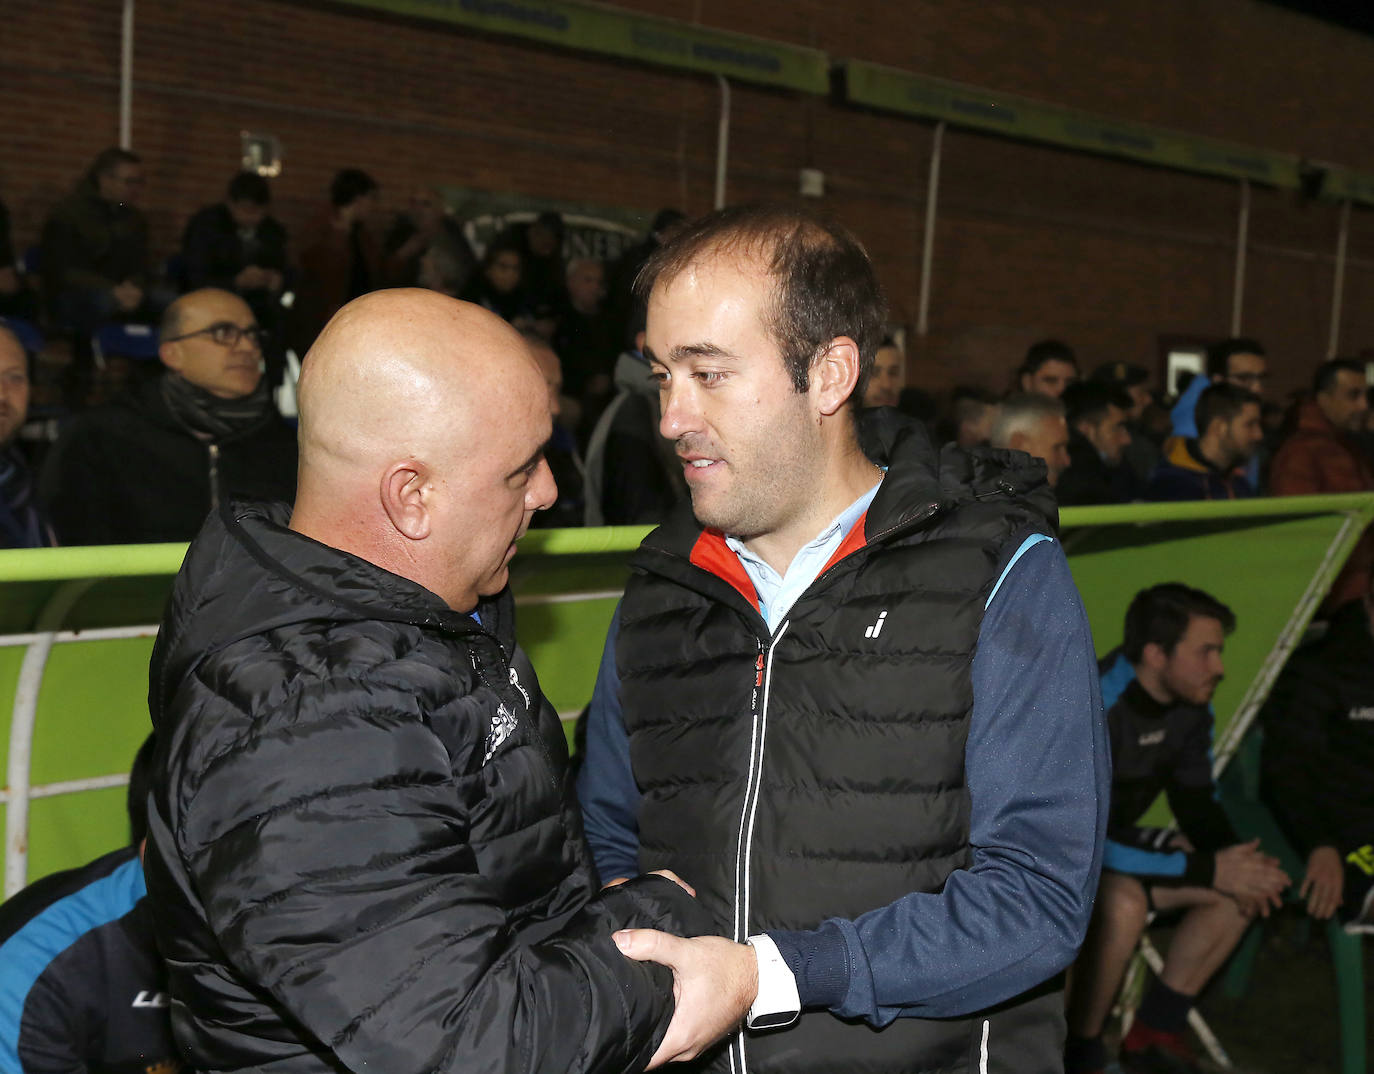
(928, 238)
(1242, 243)
(126, 78)
(722, 141)
(1333, 342)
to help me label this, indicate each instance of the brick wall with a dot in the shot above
(1030, 241)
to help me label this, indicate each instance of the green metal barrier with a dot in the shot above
(76, 628)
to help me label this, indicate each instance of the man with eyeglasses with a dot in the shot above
(150, 465)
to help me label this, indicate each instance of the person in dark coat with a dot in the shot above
(149, 466)
(1098, 436)
(237, 245)
(361, 843)
(1211, 466)
(95, 258)
(82, 986)
(22, 520)
(1316, 764)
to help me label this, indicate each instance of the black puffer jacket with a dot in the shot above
(362, 851)
(129, 473)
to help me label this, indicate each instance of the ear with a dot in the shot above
(170, 354)
(1017, 441)
(405, 498)
(1153, 656)
(834, 375)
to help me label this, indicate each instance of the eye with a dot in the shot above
(710, 377)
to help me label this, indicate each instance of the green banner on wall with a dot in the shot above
(1342, 184)
(631, 36)
(894, 90)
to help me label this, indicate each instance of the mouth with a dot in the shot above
(696, 467)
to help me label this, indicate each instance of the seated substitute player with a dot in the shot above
(1318, 757)
(82, 988)
(1157, 691)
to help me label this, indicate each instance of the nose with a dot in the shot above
(542, 490)
(681, 414)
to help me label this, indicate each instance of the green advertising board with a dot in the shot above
(628, 35)
(82, 620)
(893, 90)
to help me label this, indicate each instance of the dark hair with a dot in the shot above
(1088, 400)
(349, 185)
(1047, 350)
(1219, 354)
(1161, 615)
(1221, 400)
(107, 160)
(1325, 377)
(140, 783)
(249, 186)
(824, 284)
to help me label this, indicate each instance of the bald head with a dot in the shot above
(422, 424)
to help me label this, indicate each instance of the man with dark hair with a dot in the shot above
(828, 659)
(95, 260)
(82, 987)
(1322, 455)
(1049, 367)
(1158, 688)
(888, 376)
(341, 257)
(1142, 453)
(1317, 758)
(1239, 362)
(237, 245)
(1205, 467)
(362, 846)
(1034, 424)
(148, 466)
(1098, 436)
(425, 246)
(22, 521)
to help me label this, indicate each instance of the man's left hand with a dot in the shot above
(714, 983)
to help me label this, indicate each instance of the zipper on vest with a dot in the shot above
(214, 477)
(758, 740)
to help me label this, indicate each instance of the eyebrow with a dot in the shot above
(533, 460)
(689, 350)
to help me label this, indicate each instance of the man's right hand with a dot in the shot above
(1254, 878)
(1324, 882)
(715, 981)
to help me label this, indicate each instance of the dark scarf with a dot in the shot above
(208, 416)
(21, 523)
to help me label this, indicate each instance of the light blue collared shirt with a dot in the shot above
(777, 593)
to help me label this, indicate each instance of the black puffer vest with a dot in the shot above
(818, 771)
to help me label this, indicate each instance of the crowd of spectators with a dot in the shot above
(240, 295)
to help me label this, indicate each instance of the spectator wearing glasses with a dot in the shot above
(149, 466)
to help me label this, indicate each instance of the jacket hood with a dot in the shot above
(920, 478)
(246, 573)
(1177, 452)
(632, 375)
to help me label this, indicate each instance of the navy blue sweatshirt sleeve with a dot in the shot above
(1039, 779)
(606, 786)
